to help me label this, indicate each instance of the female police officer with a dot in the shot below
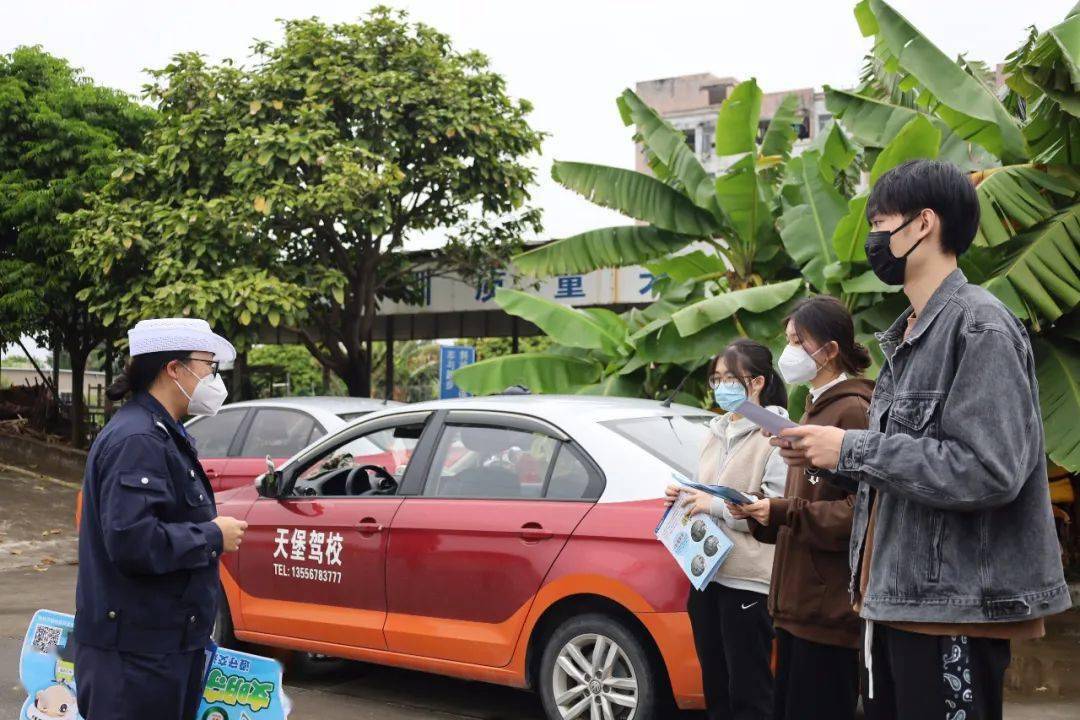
(149, 540)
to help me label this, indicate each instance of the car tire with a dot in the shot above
(626, 672)
(222, 633)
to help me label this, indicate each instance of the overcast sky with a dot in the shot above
(570, 58)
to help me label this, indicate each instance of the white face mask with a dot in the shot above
(796, 365)
(207, 397)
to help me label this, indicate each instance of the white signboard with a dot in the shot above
(617, 286)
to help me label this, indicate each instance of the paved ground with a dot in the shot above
(37, 552)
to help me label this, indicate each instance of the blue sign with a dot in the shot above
(451, 357)
(238, 686)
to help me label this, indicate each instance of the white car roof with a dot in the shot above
(327, 403)
(558, 409)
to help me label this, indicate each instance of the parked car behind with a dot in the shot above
(505, 539)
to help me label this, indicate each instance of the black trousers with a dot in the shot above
(814, 680)
(935, 676)
(112, 685)
(733, 635)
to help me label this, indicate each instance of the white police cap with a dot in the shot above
(169, 334)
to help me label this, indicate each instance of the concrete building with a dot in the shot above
(690, 103)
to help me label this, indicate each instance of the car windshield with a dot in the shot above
(674, 439)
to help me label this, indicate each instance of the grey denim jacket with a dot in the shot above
(955, 450)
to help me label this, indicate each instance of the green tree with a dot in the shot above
(59, 134)
(269, 364)
(285, 192)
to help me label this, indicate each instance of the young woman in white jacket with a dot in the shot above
(732, 629)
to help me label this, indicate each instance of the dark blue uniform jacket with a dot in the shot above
(148, 549)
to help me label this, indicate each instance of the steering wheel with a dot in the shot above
(386, 485)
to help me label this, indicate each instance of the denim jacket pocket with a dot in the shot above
(915, 415)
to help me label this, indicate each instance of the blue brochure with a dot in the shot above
(696, 542)
(238, 686)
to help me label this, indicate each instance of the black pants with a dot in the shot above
(733, 635)
(112, 685)
(814, 680)
(933, 676)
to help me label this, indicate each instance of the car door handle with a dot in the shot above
(368, 526)
(534, 531)
(210, 473)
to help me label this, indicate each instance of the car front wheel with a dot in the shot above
(593, 666)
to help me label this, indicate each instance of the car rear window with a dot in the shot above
(674, 439)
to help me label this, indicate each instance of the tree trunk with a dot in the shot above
(78, 398)
(357, 375)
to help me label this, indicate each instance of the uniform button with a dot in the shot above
(144, 481)
(192, 473)
(112, 614)
(192, 619)
(213, 553)
(200, 497)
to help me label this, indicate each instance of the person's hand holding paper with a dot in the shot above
(814, 445)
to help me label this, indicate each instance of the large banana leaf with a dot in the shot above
(565, 325)
(618, 385)
(1057, 365)
(666, 345)
(704, 313)
(1012, 199)
(605, 247)
(874, 124)
(636, 195)
(740, 197)
(540, 372)
(1039, 274)
(835, 148)
(918, 139)
(780, 135)
(690, 266)
(807, 228)
(669, 146)
(969, 108)
(737, 121)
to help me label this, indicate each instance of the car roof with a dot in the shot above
(558, 409)
(326, 403)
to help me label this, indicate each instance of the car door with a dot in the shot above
(469, 552)
(277, 432)
(214, 436)
(313, 564)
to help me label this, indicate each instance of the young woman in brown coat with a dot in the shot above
(816, 629)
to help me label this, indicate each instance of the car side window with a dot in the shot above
(484, 461)
(571, 479)
(389, 449)
(214, 433)
(278, 433)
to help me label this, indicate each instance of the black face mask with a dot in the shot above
(888, 267)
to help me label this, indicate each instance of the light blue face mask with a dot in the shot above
(729, 395)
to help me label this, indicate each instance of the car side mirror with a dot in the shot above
(268, 484)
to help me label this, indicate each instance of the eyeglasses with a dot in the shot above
(716, 380)
(214, 365)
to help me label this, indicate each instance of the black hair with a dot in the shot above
(825, 319)
(940, 186)
(141, 371)
(753, 359)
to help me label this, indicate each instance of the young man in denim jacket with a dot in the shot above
(953, 551)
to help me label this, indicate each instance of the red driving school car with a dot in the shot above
(505, 539)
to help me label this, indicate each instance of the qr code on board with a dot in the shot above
(46, 639)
